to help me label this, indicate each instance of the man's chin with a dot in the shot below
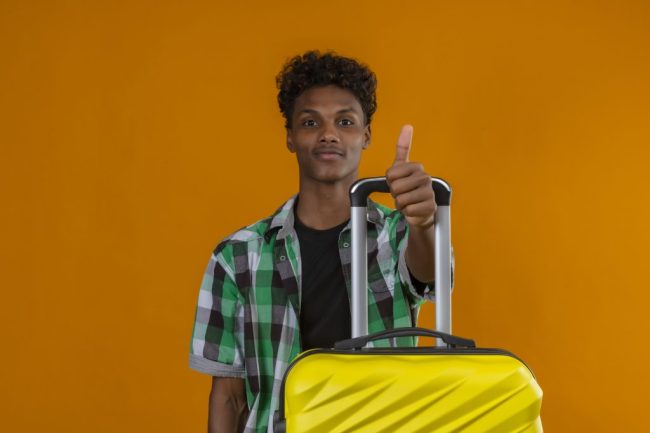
(331, 178)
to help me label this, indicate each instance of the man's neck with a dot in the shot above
(322, 206)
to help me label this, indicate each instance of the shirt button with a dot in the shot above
(283, 258)
(346, 245)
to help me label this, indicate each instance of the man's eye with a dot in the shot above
(309, 122)
(346, 122)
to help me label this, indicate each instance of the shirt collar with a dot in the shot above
(283, 218)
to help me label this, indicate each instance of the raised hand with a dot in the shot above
(410, 185)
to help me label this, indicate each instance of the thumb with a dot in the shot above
(404, 144)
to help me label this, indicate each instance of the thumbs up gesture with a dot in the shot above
(410, 185)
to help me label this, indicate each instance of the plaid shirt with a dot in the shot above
(247, 318)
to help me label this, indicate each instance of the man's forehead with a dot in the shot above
(331, 97)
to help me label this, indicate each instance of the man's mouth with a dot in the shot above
(328, 154)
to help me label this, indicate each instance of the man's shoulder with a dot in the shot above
(254, 232)
(389, 223)
(384, 211)
(384, 216)
(251, 236)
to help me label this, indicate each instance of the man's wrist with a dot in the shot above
(422, 227)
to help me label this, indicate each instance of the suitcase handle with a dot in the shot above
(361, 189)
(359, 300)
(452, 341)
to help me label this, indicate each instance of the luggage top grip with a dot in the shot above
(452, 341)
(362, 188)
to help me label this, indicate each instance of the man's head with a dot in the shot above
(313, 69)
(328, 102)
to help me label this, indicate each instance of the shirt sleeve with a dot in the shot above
(217, 337)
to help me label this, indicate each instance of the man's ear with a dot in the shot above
(366, 137)
(290, 146)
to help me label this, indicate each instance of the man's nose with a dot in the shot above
(329, 134)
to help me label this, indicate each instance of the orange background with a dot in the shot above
(135, 135)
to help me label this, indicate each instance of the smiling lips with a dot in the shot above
(328, 154)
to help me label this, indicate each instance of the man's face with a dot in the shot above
(328, 133)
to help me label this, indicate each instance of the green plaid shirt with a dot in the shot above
(247, 318)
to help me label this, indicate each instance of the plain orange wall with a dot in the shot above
(135, 135)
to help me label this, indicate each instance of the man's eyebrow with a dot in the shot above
(343, 110)
(308, 110)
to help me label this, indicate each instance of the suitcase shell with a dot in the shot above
(453, 387)
(410, 390)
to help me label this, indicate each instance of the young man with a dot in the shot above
(282, 285)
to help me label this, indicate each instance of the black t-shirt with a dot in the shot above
(325, 305)
(325, 316)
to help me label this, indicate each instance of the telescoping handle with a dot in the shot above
(359, 193)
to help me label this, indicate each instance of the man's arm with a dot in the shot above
(228, 409)
(411, 188)
(420, 253)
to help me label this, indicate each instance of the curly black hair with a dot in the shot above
(315, 69)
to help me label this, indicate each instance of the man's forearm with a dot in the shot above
(420, 253)
(228, 410)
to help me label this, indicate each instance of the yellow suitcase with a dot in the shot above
(458, 388)
(453, 387)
